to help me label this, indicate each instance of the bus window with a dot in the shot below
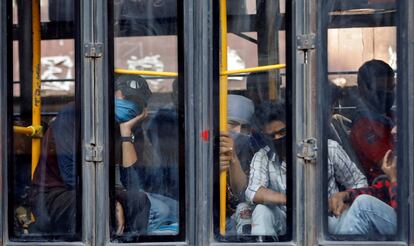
(44, 187)
(148, 196)
(361, 173)
(252, 170)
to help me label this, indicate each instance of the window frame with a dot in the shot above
(404, 115)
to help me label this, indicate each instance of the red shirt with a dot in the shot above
(371, 138)
(383, 190)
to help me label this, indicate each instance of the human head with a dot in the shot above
(270, 119)
(376, 85)
(133, 87)
(131, 96)
(240, 110)
(257, 87)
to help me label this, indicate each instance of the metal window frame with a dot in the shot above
(210, 151)
(405, 116)
(6, 134)
(103, 101)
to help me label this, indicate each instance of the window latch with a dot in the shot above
(307, 150)
(93, 50)
(93, 153)
(305, 43)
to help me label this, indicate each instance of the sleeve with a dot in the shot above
(379, 190)
(65, 141)
(258, 174)
(393, 194)
(345, 170)
(130, 177)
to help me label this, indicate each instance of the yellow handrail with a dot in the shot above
(36, 82)
(254, 69)
(143, 72)
(222, 73)
(223, 108)
(31, 131)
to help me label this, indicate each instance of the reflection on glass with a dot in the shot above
(362, 174)
(253, 151)
(45, 197)
(147, 174)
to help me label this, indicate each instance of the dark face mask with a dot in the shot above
(280, 147)
(386, 100)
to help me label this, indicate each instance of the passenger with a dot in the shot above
(53, 193)
(161, 178)
(267, 183)
(235, 156)
(371, 127)
(367, 211)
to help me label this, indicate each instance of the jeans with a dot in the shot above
(163, 212)
(268, 221)
(367, 216)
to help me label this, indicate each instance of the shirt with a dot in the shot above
(383, 190)
(371, 138)
(267, 171)
(341, 170)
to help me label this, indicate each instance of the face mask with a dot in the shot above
(126, 110)
(280, 147)
(386, 99)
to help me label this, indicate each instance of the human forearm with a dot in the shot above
(129, 155)
(238, 179)
(269, 197)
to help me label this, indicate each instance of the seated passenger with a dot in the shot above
(235, 156)
(367, 211)
(160, 179)
(267, 182)
(158, 175)
(371, 127)
(53, 193)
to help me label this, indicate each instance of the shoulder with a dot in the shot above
(261, 154)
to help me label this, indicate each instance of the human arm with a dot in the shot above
(229, 161)
(129, 154)
(257, 190)
(269, 197)
(346, 172)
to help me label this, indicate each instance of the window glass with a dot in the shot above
(253, 148)
(361, 173)
(147, 188)
(44, 173)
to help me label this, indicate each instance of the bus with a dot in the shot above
(222, 122)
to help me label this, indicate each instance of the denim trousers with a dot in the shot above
(367, 216)
(163, 211)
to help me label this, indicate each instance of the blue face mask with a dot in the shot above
(125, 110)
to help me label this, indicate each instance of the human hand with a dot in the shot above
(389, 165)
(119, 218)
(226, 151)
(126, 127)
(337, 203)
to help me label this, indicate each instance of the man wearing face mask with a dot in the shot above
(371, 128)
(53, 194)
(267, 182)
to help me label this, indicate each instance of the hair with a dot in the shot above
(257, 87)
(269, 111)
(370, 71)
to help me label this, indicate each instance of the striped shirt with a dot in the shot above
(267, 171)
